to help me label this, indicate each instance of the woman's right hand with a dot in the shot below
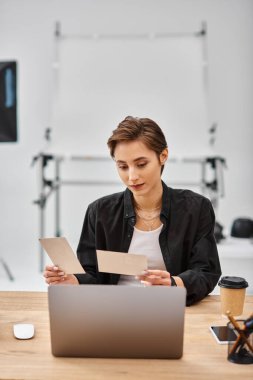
(56, 276)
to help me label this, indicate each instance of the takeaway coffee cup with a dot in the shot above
(232, 294)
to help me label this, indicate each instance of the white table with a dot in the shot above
(236, 258)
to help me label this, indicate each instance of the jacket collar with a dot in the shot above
(166, 200)
(128, 204)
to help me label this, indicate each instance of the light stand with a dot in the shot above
(7, 269)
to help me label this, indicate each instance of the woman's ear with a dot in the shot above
(164, 156)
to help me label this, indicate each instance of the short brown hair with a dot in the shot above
(134, 128)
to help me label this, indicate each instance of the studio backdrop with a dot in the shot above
(99, 81)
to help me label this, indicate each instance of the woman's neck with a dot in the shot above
(150, 201)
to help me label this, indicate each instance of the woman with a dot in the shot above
(173, 228)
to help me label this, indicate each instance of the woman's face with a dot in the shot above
(139, 167)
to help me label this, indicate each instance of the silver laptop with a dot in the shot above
(110, 321)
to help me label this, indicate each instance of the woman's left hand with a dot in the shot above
(155, 277)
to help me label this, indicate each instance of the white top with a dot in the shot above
(145, 243)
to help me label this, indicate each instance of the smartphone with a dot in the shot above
(222, 334)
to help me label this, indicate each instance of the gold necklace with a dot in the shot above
(150, 220)
(149, 224)
(146, 216)
(147, 210)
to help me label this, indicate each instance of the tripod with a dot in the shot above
(7, 270)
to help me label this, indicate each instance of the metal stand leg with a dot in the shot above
(42, 232)
(7, 270)
(53, 185)
(57, 197)
(41, 202)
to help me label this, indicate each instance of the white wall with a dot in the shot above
(26, 35)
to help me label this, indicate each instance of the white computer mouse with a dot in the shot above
(23, 330)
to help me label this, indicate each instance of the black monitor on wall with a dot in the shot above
(8, 101)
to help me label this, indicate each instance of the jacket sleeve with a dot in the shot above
(204, 269)
(86, 250)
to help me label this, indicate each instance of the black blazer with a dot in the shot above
(187, 238)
